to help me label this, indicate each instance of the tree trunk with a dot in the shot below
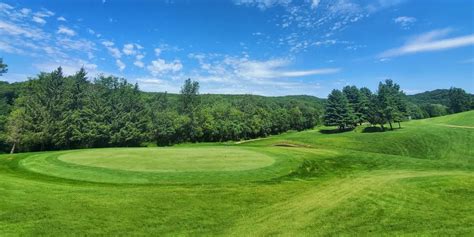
(383, 128)
(13, 148)
(391, 127)
(399, 124)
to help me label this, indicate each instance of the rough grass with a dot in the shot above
(417, 180)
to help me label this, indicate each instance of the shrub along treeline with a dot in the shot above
(389, 105)
(54, 111)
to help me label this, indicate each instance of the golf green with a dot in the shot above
(162, 165)
(171, 159)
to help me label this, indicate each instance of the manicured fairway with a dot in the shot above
(418, 180)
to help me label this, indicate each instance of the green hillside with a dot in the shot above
(417, 180)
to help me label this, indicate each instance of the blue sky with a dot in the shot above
(266, 47)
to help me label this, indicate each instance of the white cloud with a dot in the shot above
(6, 47)
(139, 64)
(39, 20)
(128, 49)
(13, 29)
(44, 13)
(120, 64)
(430, 42)
(4, 6)
(160, 66)
(314, 4)
(138, 61)
(273, 69)
(157, 52)
(157, 84)
(234, 71)
(262, 4)
(405, 21)
(115, 52)
(132, 49)
(108, 43)
(25, 11)
(78, 45)
(61, 18)
(65, 31)
(69, 67)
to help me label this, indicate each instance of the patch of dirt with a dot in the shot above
(251, 140)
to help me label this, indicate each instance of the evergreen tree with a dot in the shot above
(355, 99)
(189, 97)
(72, 124)
(3, 67)
(390, 101)
(338, 111)
(364, 104)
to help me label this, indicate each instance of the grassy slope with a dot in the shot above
(417, 180)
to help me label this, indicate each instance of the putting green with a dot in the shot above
(171, 159)
(203, 164)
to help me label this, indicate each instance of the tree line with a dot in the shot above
(388, 105)
(54, 112)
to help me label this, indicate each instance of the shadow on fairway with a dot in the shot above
(335, 130)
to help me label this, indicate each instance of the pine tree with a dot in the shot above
(389, 99)
(355, 100)
(338, 111)
(3, 67)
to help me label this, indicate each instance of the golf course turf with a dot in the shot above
(417, 180)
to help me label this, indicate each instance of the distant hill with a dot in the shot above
(439, 96)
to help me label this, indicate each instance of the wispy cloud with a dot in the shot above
(234, 74)
(114, 51)
(39, 20)
(405, 21)
(274, 68)
(121, 66)
(304, 22)
(315, 4)
(24, 34)
(262, 4)
(65, 31)
(430, 41)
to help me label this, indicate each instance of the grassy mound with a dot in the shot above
(418, 180)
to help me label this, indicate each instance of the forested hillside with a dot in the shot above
(437, 102)
(54, 111)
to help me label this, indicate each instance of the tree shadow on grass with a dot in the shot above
(374, 129)
(335, 130)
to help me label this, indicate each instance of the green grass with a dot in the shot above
(193, 159)
(417, 180)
